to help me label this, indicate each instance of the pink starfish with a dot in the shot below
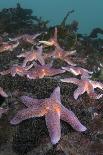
(52, 41)
(78, 71)
(33, 55)
(8, 47)
(59, 53)
(85, 85)
(53, 111)
(2, 93)
(16, 69)
(26, 37)
(42, 71)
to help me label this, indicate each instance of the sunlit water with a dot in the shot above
(87, 12)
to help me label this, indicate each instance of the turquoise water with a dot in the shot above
(87, 12)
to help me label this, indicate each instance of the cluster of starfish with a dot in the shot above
(51, 107)
(42, 69)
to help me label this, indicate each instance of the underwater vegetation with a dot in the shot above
(51, 86)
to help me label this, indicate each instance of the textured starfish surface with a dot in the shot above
(43, 71)
(78, 71)
(33, 55)
(59, 53)
(26, 37)
(85, 85)
(16, 69)
(8, 47)
(2, 92)
(53, 111)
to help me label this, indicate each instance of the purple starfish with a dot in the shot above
(16, 69)
(85, 85)
(58, 53)
(43, 71)
(26, 37)
(53, 111)
(33, 55)
(78, 71)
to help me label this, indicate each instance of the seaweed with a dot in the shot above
(17, 20)
(31, 136)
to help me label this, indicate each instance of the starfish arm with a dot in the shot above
(66, 68)
(85, 75)
(85, 70)
(14, 45)
(5, 72)
(55, 35)
(13, 71)
(32, 75)
(78, 91)
(40, 59)
(2, 93)
(53, 125)
(69, 117)
(29, 101)
(29, 67)
(36, 35)
(54, 71)
(71, 69)
(25, 54)
(69, 62)
(97, 84)
(56, 94)
(69, 53)
(27, 113)
(71, 80)
(48, 43)
(25, 62)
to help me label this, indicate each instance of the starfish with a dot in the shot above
(26, 37)
(16, 69)
(78, 71)
(53, 111)
(85, 85)
(52, 41)
(33, 55)
(8, 47)
(42, 71)
(58, 53)
(2, 92)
